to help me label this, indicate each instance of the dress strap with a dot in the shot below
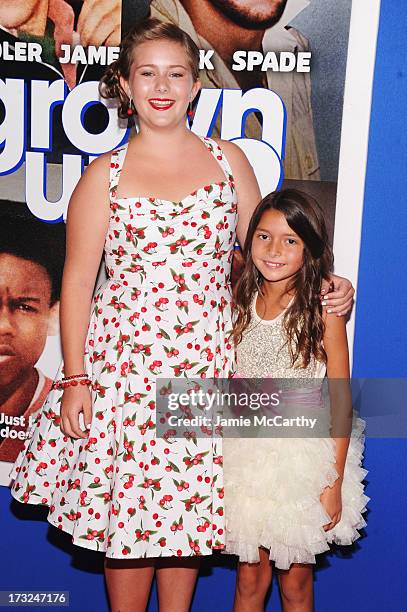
(116, 165)
(220, 156)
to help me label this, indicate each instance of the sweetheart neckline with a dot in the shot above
(193, 193)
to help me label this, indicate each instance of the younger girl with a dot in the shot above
(287, 498)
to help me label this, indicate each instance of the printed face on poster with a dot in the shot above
(273, 81)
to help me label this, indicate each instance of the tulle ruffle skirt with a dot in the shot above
(272, 496)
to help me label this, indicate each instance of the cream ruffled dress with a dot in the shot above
(273, 485)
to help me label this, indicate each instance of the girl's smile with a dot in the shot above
(161, 104)
(273, 264)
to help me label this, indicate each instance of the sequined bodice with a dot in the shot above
(264, 352)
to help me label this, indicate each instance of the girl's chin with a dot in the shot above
(272, 273)
(159, 119)
(272, 278)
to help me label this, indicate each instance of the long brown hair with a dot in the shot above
(303, 321)
(144, 31)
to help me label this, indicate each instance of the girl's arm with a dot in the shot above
(336, 348)
(87, 223)
(247, 188)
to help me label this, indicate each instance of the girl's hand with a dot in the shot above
(331, 499)
(74, 401)
(337, 295)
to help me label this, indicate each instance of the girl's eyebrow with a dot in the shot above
(155, 66)
(261, 229)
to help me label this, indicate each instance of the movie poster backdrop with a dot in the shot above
(273, 77)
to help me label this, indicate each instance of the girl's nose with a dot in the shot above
(161, 84)
(274, 248)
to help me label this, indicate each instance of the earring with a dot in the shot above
(190, 112)
(130, 111)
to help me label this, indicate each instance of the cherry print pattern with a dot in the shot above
(165, 310)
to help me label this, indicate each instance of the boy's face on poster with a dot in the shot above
(26, 317)
(252, 14)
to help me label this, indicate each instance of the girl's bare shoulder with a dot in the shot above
(93, 186)
(242, 170)
(233, 152)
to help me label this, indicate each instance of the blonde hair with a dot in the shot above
(147, 30)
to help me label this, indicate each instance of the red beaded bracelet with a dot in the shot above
(63, 384)
(74, 376)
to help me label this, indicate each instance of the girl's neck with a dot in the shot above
(271, 303)
(170, 139)
(276, 293)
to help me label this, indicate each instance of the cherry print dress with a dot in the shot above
(273, 484)
(165, 311)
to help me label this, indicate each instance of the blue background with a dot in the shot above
(372, 576)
